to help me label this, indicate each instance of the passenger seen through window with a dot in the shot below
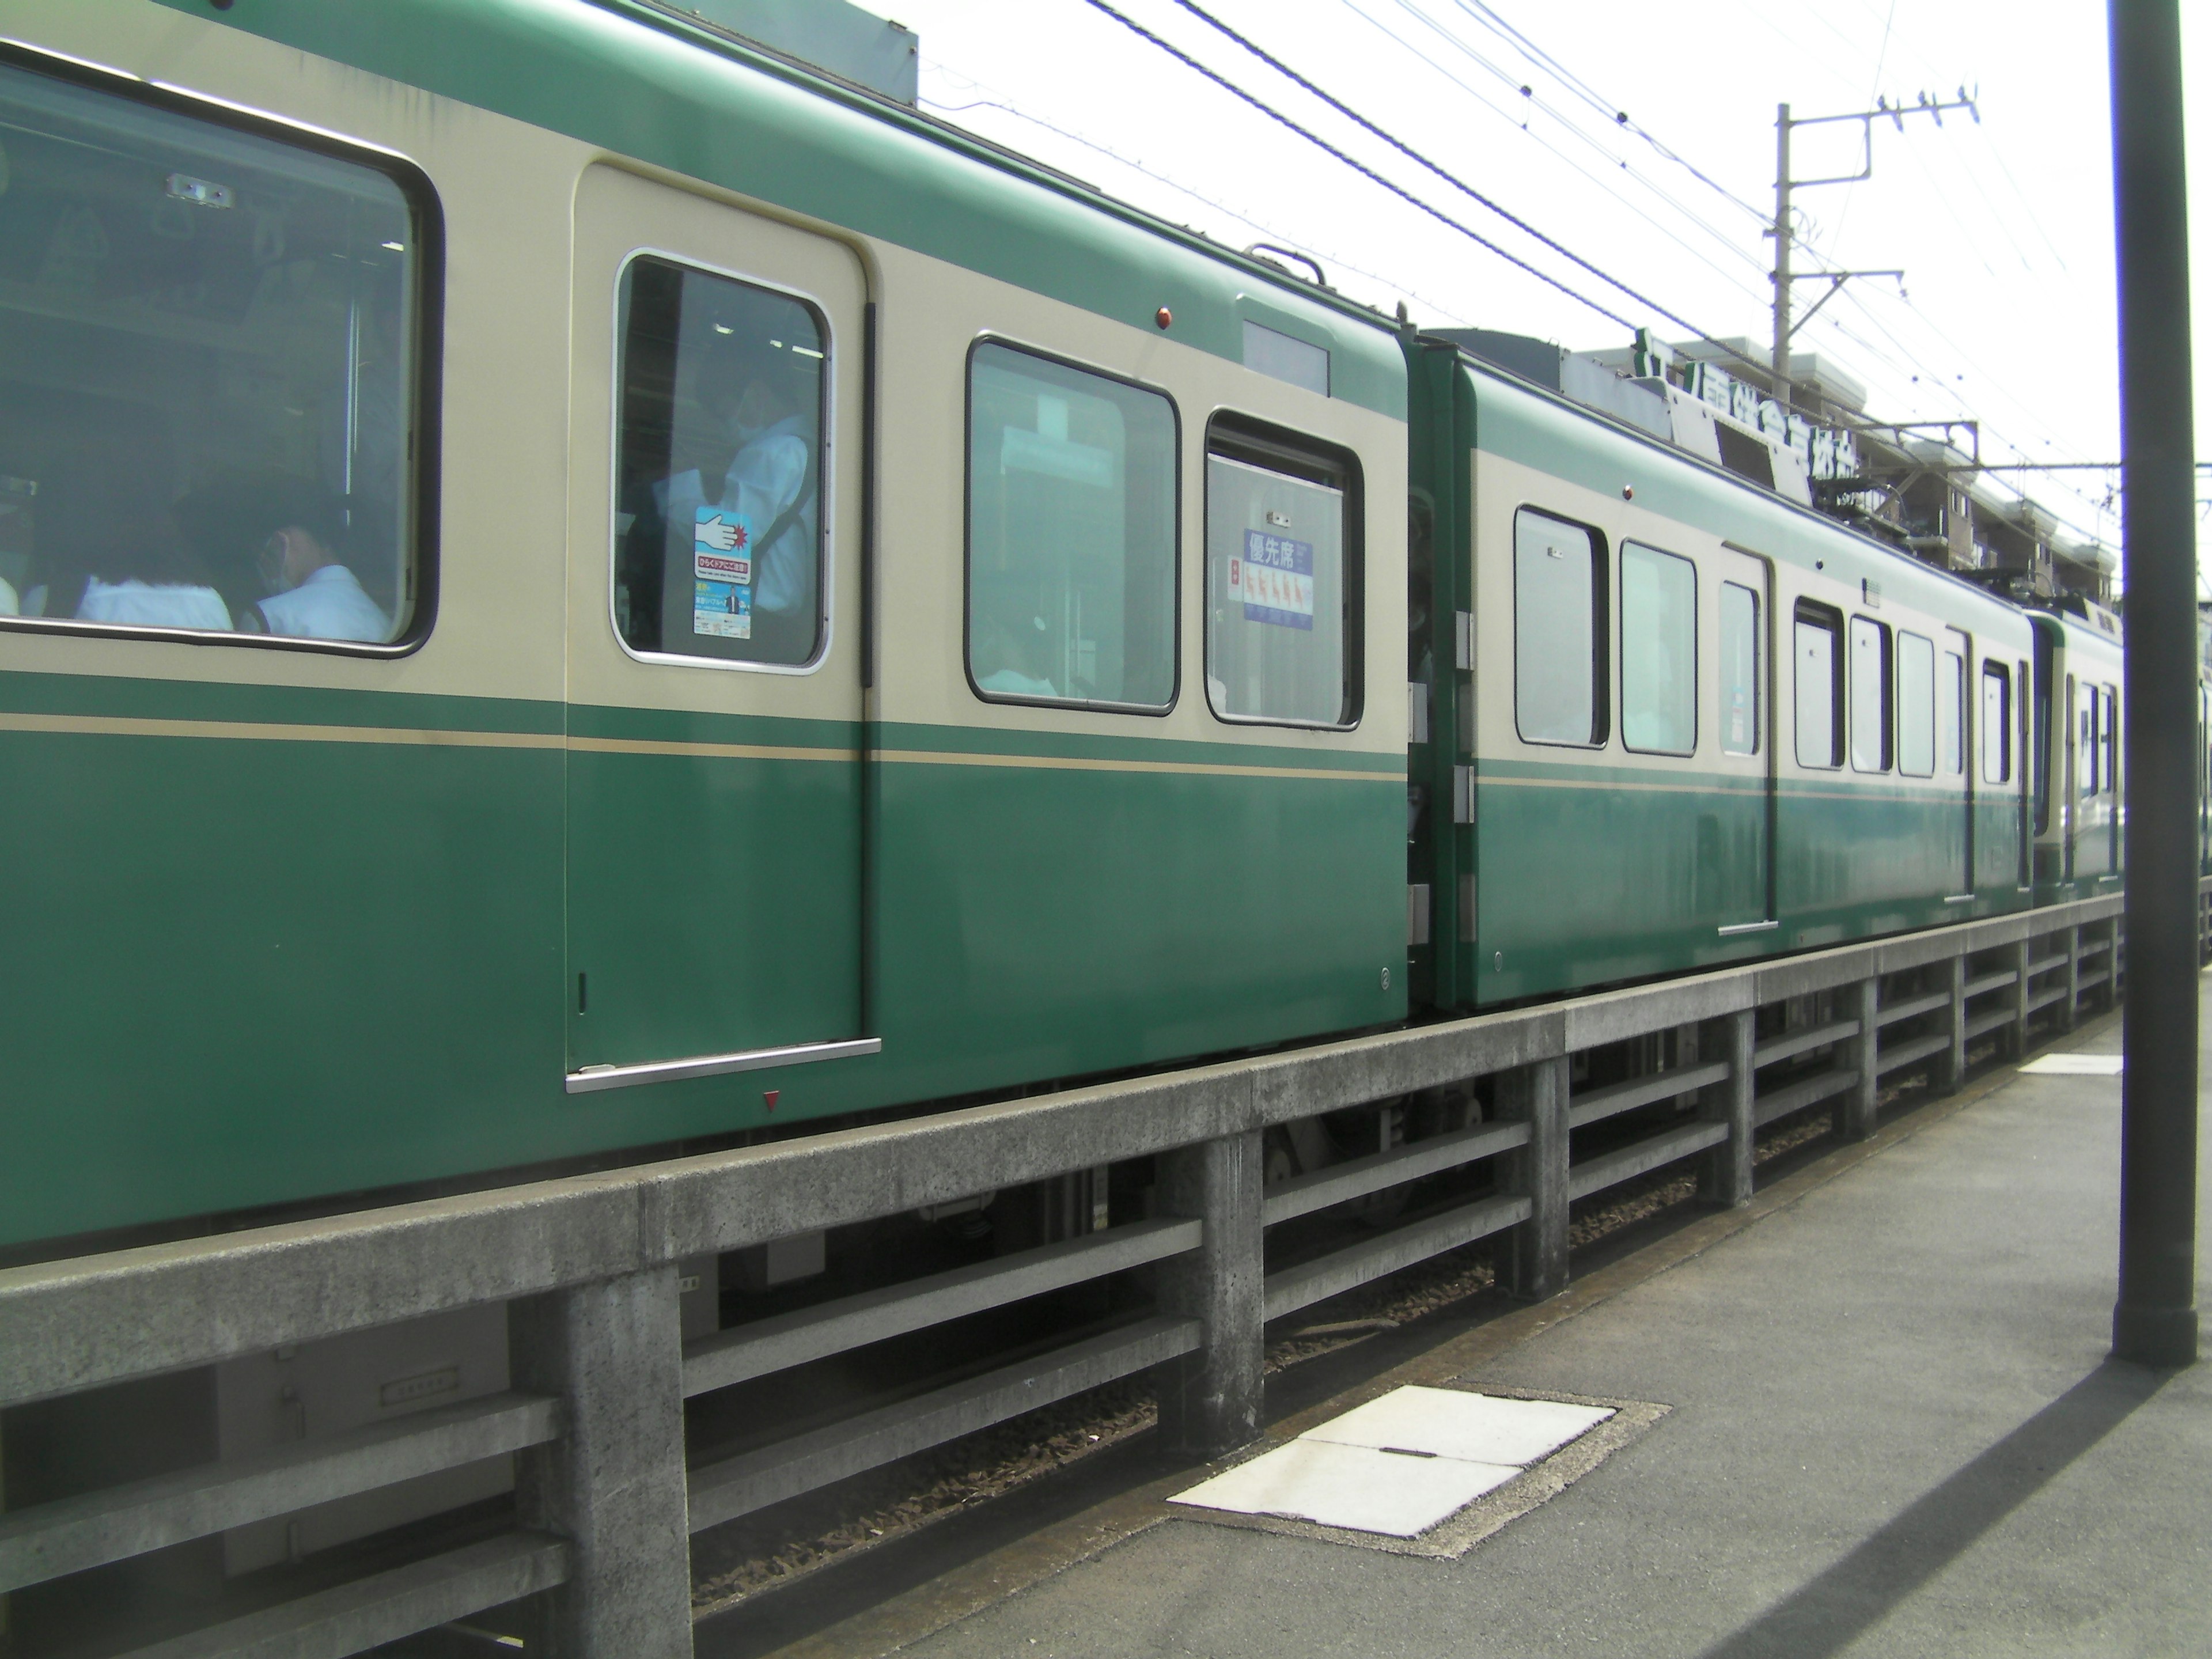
(206, 374)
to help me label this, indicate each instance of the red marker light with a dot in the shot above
(768, 1097)
(1164, 316)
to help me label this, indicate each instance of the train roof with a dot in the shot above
(1551, 432)
(643, 81)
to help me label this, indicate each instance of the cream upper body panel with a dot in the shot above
(930, 317)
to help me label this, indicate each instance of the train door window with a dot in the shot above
(215, 376)
(1658, 650)
(1559, 693)
(1071, 488)
(1996, 723)
(718, 490)
(1817, 655)
(1870, 695)
(2091, 725)
(1281, 579)
(1740, 682)
(2111, 745)
(1915, 705)
(1951, 713)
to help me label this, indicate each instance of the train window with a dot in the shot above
(1996, 723)
(1072, 487)
(1740, 684)
(1870, 695)
(1915, 705)
(1816, 651)
(1950, 714)
(1559, 693)
(2085, 760)
(1280, 575)
(1658, 650)
(2111, 736)
(719, 487)
(212, 382)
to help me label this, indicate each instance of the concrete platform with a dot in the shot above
(1894, 1431)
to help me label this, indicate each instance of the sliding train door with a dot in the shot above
(1956, 824)
(713, 770)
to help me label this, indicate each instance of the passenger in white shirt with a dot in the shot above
(315, 597)
(767, 402)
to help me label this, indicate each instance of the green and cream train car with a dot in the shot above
(571, 588)
(1675, 721)
(2079, 794)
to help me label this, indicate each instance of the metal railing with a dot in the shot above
(587, 1268)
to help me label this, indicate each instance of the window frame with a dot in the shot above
(1811, 613)
(1603, 562)
(1620, 645)
(824, 491)
(1886, 679)
(1935, 703)
(1150, 711)
(1253, 441)
(2002, 674)
(1758, 697)
(425, 436)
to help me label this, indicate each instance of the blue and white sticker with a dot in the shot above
(1275, 580)
(722, 574)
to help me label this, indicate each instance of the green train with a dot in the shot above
(570, 587)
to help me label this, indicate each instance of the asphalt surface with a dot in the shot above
(1895, 1430)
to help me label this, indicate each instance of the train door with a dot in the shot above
(714, 855)
(1953, 775)
(1743, 856)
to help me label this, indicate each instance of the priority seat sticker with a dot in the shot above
(1275, 580)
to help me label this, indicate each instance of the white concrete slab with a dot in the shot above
(1355, 1488)
(2074, 1065)
(1452, 1423)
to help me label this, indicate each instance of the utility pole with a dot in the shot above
(2154, 1320)
(1784, 124)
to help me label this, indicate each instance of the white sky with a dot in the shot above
(2003, 228)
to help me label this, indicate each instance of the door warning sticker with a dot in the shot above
(722, 574)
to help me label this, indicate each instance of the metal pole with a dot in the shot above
(2154, 1321)
(1782, 257)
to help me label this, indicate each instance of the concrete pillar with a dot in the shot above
(2070, 1008)
(2015, 1038)
(1210, 1401)
(1534, 1259)
(1726, 1180)
(1951, 1072)
(613, 1485)
(1855, 1119)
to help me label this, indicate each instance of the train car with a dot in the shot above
(1673, 720)
(2079, 783)
(571, 587)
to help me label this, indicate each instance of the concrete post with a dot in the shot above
(2015, 1039)
(1726, 1180)
(1952, 1072)
(1857, 1114)
(1210, 1401)
(613, 1485)
(2110, 987)
(1535, 1254)
(2070, 1010)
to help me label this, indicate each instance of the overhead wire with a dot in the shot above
(1336, 259)
(1355, 163)
(1399, 144)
